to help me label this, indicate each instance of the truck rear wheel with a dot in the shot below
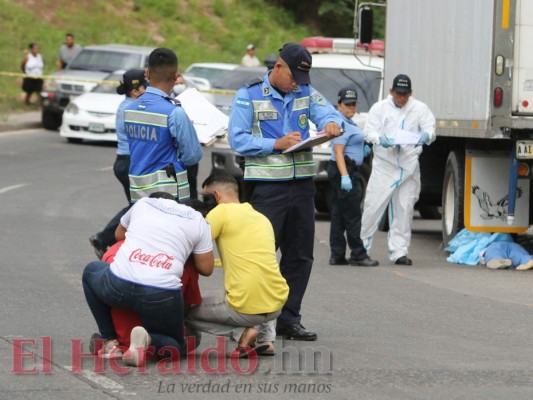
(429, 212)
(453, 195)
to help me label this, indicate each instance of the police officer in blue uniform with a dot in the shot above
(348, 152)
(268, 116)
(162, 139)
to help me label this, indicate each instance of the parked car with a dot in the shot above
(83, 73)
(331, 71)
(91, 116)
(208, 71)
(232, 80)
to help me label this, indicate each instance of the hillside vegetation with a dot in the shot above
(198, 30)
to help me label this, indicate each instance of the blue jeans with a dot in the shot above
(513, 251)
(160, 310)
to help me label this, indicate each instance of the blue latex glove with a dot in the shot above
(424, 139)
(367, 150)
(385, 142)
(346, 183)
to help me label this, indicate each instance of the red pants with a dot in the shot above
(125, 320)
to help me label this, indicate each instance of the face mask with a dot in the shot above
(210, 201)
(179, 88)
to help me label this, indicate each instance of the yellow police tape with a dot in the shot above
(99, 82)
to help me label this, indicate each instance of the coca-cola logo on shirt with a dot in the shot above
(156, 261)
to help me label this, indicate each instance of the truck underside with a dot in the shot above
(442, 167)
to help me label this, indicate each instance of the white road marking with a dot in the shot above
(8, 188)
(16, 132)
(102, 381)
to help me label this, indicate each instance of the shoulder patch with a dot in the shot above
(318, 98)
(253, 82)
(243, 103)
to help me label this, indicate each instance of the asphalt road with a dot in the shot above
(432, 330)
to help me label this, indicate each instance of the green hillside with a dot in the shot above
(197, 30)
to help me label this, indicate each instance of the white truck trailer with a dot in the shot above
(471, 62)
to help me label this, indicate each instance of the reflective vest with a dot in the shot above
(154, 159)
(268, 123)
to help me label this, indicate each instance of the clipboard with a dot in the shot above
(402, 136)
(209, 122)
(308, 143)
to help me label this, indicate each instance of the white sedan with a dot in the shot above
(91, 116)
(208, 72)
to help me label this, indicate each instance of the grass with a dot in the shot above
(197, 30)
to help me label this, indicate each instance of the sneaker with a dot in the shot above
(98, 245)
(139, 342)
(499, 263)
(110, 349)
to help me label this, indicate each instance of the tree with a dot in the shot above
(333, 18)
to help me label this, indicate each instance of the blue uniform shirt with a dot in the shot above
(183, 132)
(240, 122)
(353, 139)
(123, 147)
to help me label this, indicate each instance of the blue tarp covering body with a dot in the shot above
(466, 246)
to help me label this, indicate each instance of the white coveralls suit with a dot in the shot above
(395, 177)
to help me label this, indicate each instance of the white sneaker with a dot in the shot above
(110, 350)
(139, 342)
(499, 263)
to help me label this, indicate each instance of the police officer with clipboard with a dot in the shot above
(268, 116)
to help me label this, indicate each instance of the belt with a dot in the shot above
(334, 163)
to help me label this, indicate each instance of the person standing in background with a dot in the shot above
(347, 155)
(250, 59)
(395, 177)
(32, 64)
(67, 51)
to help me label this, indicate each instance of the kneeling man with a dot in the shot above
(255, 290)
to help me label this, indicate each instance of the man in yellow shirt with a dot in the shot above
(255, 289)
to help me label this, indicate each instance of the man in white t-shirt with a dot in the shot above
(159, 234)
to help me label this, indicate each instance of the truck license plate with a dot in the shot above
(524, 149)
(96, 127)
